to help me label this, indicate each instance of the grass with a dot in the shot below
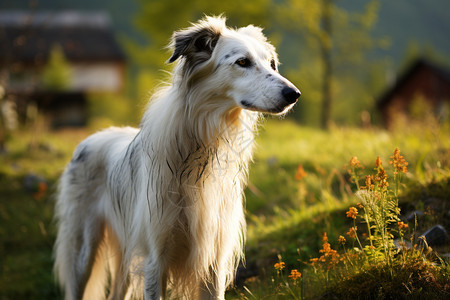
(286, 217)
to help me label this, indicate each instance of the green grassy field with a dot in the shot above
(286, 217)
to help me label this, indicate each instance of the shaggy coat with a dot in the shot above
(157, 212)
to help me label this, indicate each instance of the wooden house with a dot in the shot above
(95, 59)
(422, 81)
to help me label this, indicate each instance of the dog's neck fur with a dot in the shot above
(204, 149)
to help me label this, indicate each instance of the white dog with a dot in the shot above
(157, 212)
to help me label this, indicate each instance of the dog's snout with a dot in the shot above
(290, 94)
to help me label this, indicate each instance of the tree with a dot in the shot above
(335, 38)
(56, 73)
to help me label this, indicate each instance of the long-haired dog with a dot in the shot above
(157, 212)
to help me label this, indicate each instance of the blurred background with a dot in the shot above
(351, 59)
(374, 75)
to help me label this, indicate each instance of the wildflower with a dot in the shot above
(369, 186)
(295, 275)
(381, 178)
(402, 225)
(359, 205)
(314, 260)
(300, 173)
(352, 232)
(352, 212)
(398, 162)
(329, 257)
(325, 237)
(354, 162)
(42, 188)
(279, 266)
(341, 240)
(378, 162)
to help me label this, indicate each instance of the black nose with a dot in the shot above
(290, 94)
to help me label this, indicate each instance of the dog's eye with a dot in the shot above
(243, 62)
(273, 65)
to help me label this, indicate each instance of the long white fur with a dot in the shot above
(160, 208)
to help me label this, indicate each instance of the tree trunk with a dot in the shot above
(326, 47)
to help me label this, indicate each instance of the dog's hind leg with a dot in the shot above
(75, 254)
(120, 277)
(79, 235)
(85, 258)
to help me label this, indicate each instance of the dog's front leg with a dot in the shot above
(155, 281)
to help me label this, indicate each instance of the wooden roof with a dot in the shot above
(85, 37)
(407, 75)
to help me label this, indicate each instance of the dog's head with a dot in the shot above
(239, 65)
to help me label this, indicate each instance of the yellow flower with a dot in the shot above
(341, 240)
(279, 266)
(352, 212)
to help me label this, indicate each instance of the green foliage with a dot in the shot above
(56, 73)
(336, 58)
(157, 20)
(107, 109)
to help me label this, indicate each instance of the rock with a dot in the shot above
(436, 236)
(411, 215)
(31, 182)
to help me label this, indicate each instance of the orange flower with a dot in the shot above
(352, 212)
(300, 173)
(325, 237)
(398, 162)
(42, 188)
(314, 260)
(341, 240)
(402, 225)
(369, 186)
(329, 257)
(295, 275)
(354, 162)
(279, 266)
(381, 178)
(352, 232)
(378, 162)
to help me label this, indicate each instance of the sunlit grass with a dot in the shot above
(293, 222)
(286, 216)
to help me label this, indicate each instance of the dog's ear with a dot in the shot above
(198, 40)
